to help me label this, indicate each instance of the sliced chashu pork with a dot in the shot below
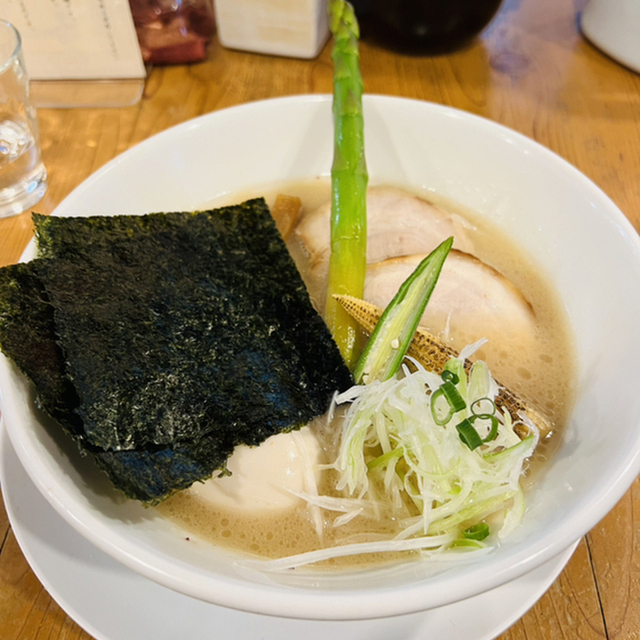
(470, 301)
(398, 224)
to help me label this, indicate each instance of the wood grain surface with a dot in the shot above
(531, 70)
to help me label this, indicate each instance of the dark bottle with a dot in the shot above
(427, 26)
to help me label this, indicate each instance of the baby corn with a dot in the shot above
(433, 354)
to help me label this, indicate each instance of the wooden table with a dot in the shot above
(531, 71)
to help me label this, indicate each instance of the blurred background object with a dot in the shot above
(23, 177)
(426, 27)
(79, 53)
(173, 31)
(292, 28)
(614, 27)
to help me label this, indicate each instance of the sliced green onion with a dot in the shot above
(455, 402)
(453, 396)
(493, 432)
(455, 367)
(468, 434)
(439, 417)
(479, 411)
(478, 531)
(450, 376)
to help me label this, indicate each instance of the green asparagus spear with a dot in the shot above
(349, 179)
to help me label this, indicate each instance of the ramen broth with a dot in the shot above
(542, 371)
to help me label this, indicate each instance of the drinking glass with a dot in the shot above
(23, 177)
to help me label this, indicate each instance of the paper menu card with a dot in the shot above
(76, 39)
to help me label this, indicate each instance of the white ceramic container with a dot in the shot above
(293, 28)
(614, 27)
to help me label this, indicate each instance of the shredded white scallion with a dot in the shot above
(311, 557)
(393, 451)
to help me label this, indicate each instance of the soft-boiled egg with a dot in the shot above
(267, 477)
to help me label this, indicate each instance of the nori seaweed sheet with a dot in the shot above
(27, 335)
(180, 335)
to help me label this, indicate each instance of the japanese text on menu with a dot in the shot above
(76, 39)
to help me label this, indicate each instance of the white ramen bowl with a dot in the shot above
(581, 240)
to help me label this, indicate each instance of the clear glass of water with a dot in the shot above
(23, 177)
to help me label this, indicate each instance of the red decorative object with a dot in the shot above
(173, 31)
